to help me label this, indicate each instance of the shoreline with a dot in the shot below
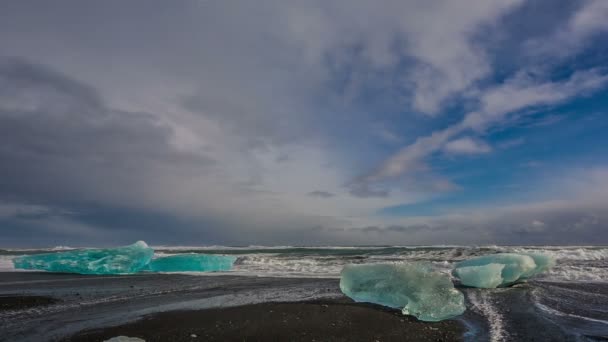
(326, 320)
(40, 306)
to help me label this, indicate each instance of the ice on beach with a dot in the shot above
(192, 263)
(125, 339)
(416, 288)
(121, 260)
(490, 271)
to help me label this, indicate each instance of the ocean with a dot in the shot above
(568, 303)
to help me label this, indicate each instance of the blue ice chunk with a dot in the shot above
(415, 288)
(192, 263)
(485, 271)
(121, 260)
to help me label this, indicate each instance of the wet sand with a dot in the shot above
(24, 302)
(309, 321)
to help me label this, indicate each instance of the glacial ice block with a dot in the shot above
(490, 271)
(121, 260)
(192, 263)
(414, 287)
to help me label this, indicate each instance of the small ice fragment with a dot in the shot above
(415, 288)
(192, 263)
(125, 339)
(121, 260)
(485, 271)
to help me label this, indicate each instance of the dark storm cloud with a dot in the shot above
(365, 190)
(76, 168)
(415, 228)
(60, 141)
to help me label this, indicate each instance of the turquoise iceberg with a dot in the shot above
(503, 269)
(192, 263)
(415, 288)
(121, 260)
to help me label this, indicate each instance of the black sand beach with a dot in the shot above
(24, 302)
(308, 321)
(163, 307)
(38, 306)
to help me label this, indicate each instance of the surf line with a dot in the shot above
(482, 302)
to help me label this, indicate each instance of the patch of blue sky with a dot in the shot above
(524, 158)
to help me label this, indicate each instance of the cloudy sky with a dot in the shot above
(303, 122)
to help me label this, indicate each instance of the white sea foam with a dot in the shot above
(568, 253)
(6, 263)
(563, 314)
(272, 265)
(482, 302)
(576, 273)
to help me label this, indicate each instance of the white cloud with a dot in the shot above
(537, 223)
(496, 103)
(529, 88)
(449, 59)
(524, 91)
(466, 145)
(575, 34)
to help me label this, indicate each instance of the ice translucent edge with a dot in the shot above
(192, 262)
(415, 288)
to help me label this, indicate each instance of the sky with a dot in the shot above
(199, 122)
